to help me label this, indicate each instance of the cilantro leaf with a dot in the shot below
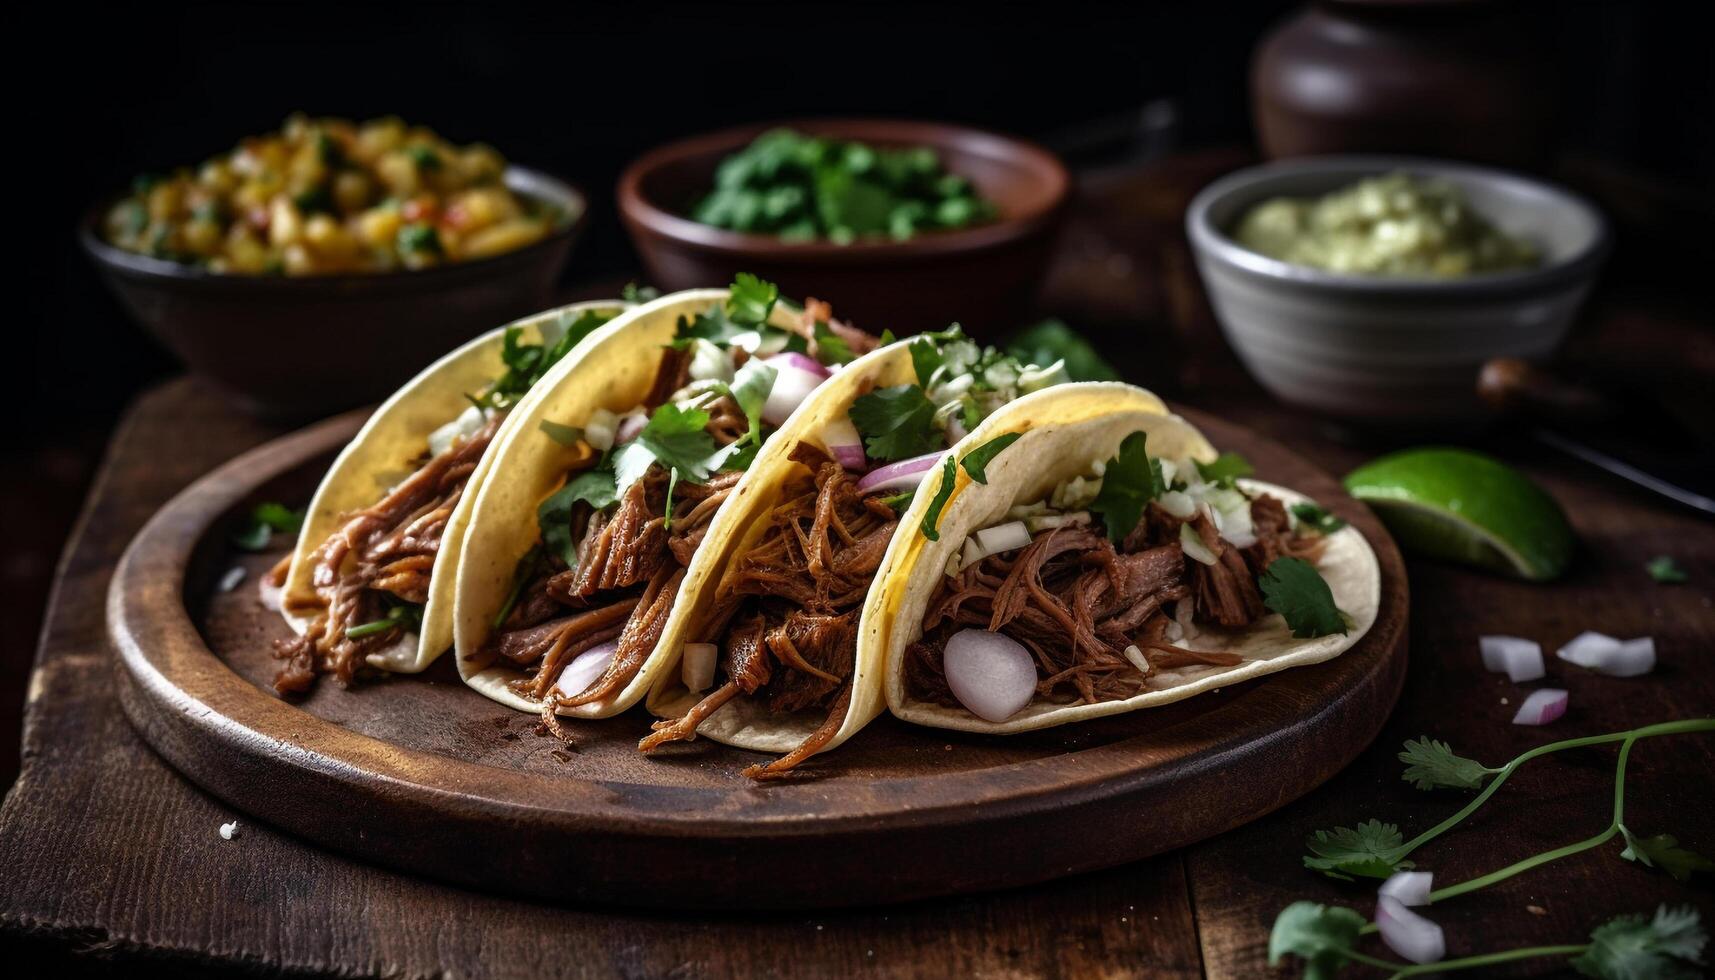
(1432, 764)
(1316, 518)
(565, 435)
(976, 461)
(751, 300)
(527, 363)
(1663, 851)
(1320, 935)
(711, 325)
(1630, 947)
(1132, 479)
(925, 358)
(674, 438)
(634, 294)
(1665, 570)
(932, 516)
(594, 486)
(1371, 850)
(831, 348)
(265, 519)
(896, 423)
(1293, 588)
(1226, 468)
(1052, 340)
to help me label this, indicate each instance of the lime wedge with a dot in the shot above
(1466, 507)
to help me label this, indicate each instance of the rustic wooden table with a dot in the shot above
(108, 858)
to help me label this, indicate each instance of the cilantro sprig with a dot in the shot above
(1665, 946)
(264, 521)
(1225, 468)
(896, 422)
(527, 363)
(1313, 516)
(1293, 588)
(1131, 480)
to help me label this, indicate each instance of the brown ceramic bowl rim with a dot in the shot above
(639, 210)
(524, 180)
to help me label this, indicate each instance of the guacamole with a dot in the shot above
(1397, 225)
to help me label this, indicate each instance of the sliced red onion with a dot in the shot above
(843, 441)
(992, 675)
(802, 362)
(697, 666)
(903, 475)
(630, 426)
(1541, 707)
(1407, 933)
(1519, 659)
(792, 385)
(1409, 887)
(585, 668)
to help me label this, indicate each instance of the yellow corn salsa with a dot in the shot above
(327, 196)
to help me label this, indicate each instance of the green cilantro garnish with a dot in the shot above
(1313, 516)
(1321, 935)
(831, 348)
(633, 294)
(896, 423)
(1630, 947)
(1663, 851)
(900, 501)
(1052, 340)
(977, 460)
(1367, 851)
(1665, 570)
(406, 616)
(1293, 588)
(594, 486)
(925, 358)
(673, 438)
(418, 239)
(565, 435)
(265, 519)
(751, 300)
(932, 517)
(1226, 468)
(1431, 764)
(1132, 479)
(527, 363)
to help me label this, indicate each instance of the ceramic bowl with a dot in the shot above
(1390, 349)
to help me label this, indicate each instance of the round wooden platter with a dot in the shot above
(425, 775)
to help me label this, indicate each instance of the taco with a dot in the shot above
(1110, 563)
(368, 586)
(781, 655)
(606, 511)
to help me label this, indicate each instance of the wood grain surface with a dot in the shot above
(409, 771)
(111, 859)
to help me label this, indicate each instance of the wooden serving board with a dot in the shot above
(425, 775)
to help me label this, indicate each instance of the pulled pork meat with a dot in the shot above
(786, 616)
(379, 557)
(1077, 603)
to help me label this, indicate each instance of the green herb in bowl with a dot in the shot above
(803, 188)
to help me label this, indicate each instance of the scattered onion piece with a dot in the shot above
(230, 580)
(1407, 933)
(1192, 544)
(802, 362)
(585, 668)
(844, 444)
(1409, 887)
(1519, 659)
(269, 594)
(992, 675)
(1607, 655)
(903, 475)
(792, 384)
(630, 426)
(1542, 706)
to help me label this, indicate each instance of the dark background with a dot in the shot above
(100, 94)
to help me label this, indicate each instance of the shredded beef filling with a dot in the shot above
(786, 617)
(379, 556)
(1077, 603)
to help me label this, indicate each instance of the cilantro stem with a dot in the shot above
(1487, 959)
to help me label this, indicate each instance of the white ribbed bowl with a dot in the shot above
(1383, 349)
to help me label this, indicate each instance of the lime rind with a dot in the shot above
(1463, 506)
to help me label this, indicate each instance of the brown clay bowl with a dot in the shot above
(984, 277)
(300, 347)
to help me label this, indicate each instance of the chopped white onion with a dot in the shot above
(792, 384)
(1177, 503)
(468, 423)
(1606, 655)
(697, 666)
(802, 362)
(230, 580)
(1138, 660)
(600, 429)
(1043, 522)
(969, 553)
(1169, 470)
(1183, 610)
(1407, 933)
(1541, 707)
(844, 444)
(1519, 659)
(1193, 546)
(903, 475)
(630, 426)
(1409, 887)
(1588, 648)
(268, 593)
(992, 675)
(709, 362)
(1002, 538)
(585, 668)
